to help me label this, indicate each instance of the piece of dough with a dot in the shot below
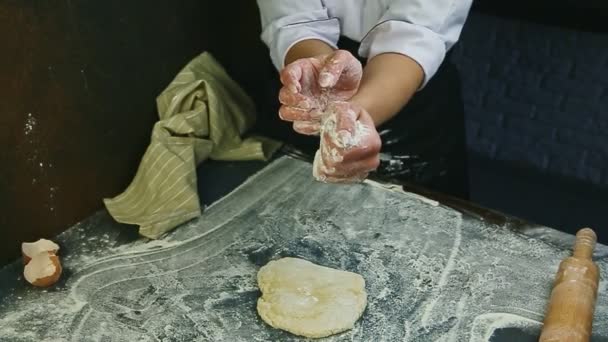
(310, 300)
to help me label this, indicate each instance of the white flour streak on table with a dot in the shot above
(449, 266)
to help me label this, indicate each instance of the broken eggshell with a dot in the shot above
(43, 269)
(30, 249)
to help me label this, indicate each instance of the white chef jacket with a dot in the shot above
(424, 30)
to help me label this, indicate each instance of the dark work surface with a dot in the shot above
(99, 233)
(217, 179)
(188, 286)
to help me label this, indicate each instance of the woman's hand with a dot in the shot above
(310, 84)
(350, 145)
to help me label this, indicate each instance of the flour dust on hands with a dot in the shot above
(350, 145)
(310, 84)
(314, 97)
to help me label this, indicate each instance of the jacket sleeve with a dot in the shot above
(423, 30)
(287, 22)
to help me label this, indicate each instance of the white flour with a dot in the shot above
(30, 124)
(342, 139)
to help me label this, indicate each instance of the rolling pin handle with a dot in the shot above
(585, 243)
(569, 316)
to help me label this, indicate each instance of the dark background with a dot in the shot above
(535, 87)
(78, 81)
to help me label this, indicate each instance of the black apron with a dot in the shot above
(423, 144)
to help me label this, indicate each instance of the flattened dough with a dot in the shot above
(310, 300)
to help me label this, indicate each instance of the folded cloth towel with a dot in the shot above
(203, 114)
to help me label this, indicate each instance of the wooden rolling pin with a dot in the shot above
(570, 311)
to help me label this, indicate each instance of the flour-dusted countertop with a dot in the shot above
(433, 273)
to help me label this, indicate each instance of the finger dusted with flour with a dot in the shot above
(350, 145)
(342, 72)
(309, 84)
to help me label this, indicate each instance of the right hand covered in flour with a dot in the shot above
(350, 145)
(309, 84)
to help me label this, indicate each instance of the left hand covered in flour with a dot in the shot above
(309, 84)
(350, 145)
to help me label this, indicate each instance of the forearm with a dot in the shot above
(389, 81)
(307, 48)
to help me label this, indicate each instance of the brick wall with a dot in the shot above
(536, 96)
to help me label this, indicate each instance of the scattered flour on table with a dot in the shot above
(431, 274)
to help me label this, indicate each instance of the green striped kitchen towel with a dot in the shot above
(203, 114)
